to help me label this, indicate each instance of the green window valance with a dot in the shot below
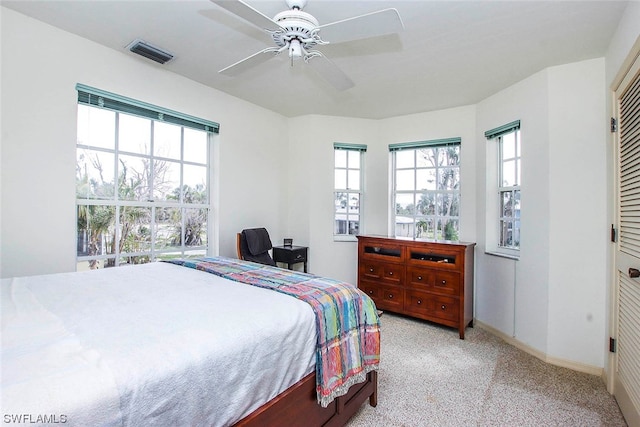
(99, 98)
(501, 130)
(446, 142)
(347, 146)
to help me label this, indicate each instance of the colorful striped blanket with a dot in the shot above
(347, 322)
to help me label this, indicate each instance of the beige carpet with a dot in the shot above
(429, 377)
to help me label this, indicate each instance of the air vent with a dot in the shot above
(145, 49)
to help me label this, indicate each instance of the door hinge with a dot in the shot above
(612, 345)
(614, 125)
(614, 234)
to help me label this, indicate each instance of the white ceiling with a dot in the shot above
(451, 53)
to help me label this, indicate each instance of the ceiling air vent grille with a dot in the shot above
(145, 49)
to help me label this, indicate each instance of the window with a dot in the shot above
(142, 182)
(426, 189)
(503, 198)
(348, 184)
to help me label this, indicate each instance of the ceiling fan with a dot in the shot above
(298, 33)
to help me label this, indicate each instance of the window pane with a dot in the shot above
(427, 204)
(168, 228)
(133, 178)
(341, 201)
(354, 203)
(96, 127)
(94, 174)
(96, 226)
(195, 184)
(166, 140)
(449, 156)
(340, 158)
(449, 229)
(404, 226)
(354, 227)
(426, 157)
(405, 159)
(134, 134)
(195, 227)
(354, 159)
(404, 205)
(425, 228)
(508, 146)
(509, 173)
(195, 146)
(405, 180)
(449, 179)
(426, 179)
(506, 204)
(135, 229)
(166, 185)
(506, 234)
(449, 204)
(340, 179)
(354, 179)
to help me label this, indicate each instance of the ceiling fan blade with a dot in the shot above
(249, 62)
(330, 72)
(248, 13)
(386, 21)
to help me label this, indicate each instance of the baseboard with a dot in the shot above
(569, 364)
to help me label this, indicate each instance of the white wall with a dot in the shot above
(578, 199)
(551, 298)
(512, 296)
(38, 142)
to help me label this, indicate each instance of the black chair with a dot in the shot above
(253, 244)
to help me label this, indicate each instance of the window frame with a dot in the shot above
(201, 208)
(497, 222)
(348, 148)
(438, 193)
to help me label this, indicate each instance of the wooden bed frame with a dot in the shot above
(298, 405)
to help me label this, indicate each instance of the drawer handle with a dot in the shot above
(390, 296)
(419, 277)
(371, 270)
(299, 256)
(444, 282)
(391, 273)
(370, 292)
(444, 307)
(419, 302)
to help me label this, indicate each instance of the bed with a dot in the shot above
(184, 343)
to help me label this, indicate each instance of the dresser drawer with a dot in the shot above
(420, 278)
(447, 283)
(418, 303)
(385, 297)
(392, 274)
(446, 308)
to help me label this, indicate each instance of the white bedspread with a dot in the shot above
(155, 344)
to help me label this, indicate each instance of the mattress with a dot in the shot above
(154, 344)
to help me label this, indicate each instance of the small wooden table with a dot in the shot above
(290, 255)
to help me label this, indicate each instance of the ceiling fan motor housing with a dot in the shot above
(298, 25)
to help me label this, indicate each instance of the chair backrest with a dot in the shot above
(253, 244)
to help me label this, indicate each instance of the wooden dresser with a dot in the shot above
(430, 280)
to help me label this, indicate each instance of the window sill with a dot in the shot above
(503, 255)
(344, 238)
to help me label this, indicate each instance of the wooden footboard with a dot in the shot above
(298, 405)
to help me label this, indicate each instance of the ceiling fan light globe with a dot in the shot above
(295, 49)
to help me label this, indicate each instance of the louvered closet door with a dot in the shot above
(627, 372)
